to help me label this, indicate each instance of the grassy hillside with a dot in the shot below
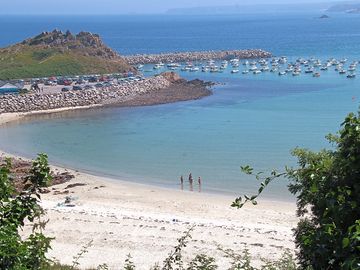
(55, 53)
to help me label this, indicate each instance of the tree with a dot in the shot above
(327, 187)
(18, 208)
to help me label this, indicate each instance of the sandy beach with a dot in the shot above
(123, 218)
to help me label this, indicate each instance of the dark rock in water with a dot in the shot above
(324, 16)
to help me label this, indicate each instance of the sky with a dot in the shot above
(121, 6)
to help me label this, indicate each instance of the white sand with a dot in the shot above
(13, 117)
(123, 218)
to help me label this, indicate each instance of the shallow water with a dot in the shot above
(251, 119)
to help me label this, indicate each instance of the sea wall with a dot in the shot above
(107, 95)
(195, 56)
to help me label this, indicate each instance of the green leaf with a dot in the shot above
(345, 242)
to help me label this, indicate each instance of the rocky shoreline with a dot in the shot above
(195, 56)
(165, 88)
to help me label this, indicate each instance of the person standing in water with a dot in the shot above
(199, 182)
(191, 182)
(182, 182)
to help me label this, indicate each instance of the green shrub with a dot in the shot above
(15, 210)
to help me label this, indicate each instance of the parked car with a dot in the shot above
(77, 87)
(107, 84)
(93, 79)
(67, 82)
(89, 87)
(50, 83)
(99, 85)
(65, 89)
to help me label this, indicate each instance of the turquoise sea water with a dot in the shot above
(250, 119)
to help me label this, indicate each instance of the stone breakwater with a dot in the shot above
(110, 95)
(195, 56)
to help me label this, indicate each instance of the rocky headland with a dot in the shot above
(58, 53)
(165, 88)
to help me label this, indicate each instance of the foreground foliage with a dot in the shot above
(327, 187)
(18, 208)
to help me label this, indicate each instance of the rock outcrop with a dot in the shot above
(88, 43)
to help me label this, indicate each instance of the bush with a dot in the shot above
(15, 210)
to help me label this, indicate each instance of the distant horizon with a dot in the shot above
(141, 7)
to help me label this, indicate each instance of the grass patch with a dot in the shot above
(19, 62)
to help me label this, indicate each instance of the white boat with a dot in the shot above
(342, 71)
(171, 65)
(214, 69)
(351, 76)
(235, 71)
(234, 62)
(194, 69)
(157, 66)
(283, 60)
(296, 73)
(245, 72)
(316, 75)
(257, 72)
(282, 73)
(224, 62)
(338, 67)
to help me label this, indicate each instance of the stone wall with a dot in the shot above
(195, 56)
(107, 95)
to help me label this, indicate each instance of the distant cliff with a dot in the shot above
(243, 9)
(57, 53)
